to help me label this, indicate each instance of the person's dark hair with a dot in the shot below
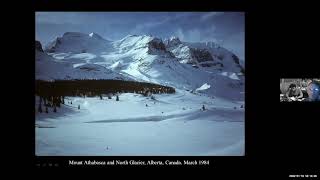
(292, 86)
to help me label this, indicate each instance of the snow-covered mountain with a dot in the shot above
(204, 55)
(170, 62)
(49, 68)
(78, 43)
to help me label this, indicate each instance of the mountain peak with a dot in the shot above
(172, 42)
(73, 34)
(157, 44)
(78, 42)
(174, 38)
(81, 35)
(95, 35)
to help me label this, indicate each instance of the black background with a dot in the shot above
(281, 42)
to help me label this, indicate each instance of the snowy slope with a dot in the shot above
(49, 68)
(158, 65)
(203, 74)
(203, 87)
(205, 55)
(146, 58)
(171, 125)
(79, 43)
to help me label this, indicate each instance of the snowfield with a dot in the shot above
(170, 125)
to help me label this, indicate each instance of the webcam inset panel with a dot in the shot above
(301, 90)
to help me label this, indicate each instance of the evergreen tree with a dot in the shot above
(39, 109)
(100, 96)
(117, 99)
(58, 99)
(79, 106)
(40, 100)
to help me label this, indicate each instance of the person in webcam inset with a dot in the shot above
(313, 90)
(294, 93)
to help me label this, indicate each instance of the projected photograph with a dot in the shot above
(140, 84)
(303, 90)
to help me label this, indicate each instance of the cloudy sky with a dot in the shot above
(225, 28)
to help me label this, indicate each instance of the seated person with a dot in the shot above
(313, 90)
(294, 92)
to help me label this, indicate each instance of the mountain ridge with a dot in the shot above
(143, 58)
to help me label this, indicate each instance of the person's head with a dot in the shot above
(313, 91)
(292, 87)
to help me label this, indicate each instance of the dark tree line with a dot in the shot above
(52, 93)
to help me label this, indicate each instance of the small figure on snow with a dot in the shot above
(79, 106)
(203, 108)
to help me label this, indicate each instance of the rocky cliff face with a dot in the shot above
(156, 46)
(200, 55)
(38, 46)
(172, 42)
